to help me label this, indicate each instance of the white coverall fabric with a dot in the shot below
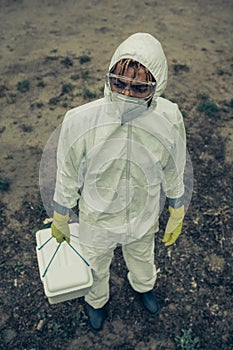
(139, 258)
(116, 168)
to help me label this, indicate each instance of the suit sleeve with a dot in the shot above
(70, 165)
(174, 168)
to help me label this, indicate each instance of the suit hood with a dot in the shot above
(147, 50)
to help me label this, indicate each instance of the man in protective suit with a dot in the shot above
(114, 156)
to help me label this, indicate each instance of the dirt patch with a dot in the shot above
(54, 55)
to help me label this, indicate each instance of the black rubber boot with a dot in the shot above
(150, 302)
(96, 317)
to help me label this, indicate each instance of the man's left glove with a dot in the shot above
(60, 227)
(174, 225)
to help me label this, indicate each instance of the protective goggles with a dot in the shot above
(137, 88)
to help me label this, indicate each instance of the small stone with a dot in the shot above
(40, 325)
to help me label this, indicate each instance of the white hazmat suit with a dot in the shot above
(114, 160)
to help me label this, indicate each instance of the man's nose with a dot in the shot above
(126, 91)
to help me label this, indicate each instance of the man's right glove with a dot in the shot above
(60, 227)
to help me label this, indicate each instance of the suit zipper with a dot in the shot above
(127, 194)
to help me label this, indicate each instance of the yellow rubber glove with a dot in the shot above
(60, 227)
(174, 225)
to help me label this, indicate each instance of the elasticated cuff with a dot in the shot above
(176, 202)
(60, 209)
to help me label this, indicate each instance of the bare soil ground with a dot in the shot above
(54, 55)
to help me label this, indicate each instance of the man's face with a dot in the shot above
(132, 82)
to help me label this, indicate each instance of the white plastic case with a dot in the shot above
(68, 276)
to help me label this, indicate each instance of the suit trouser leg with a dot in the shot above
(99, 260)
(139, 258)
